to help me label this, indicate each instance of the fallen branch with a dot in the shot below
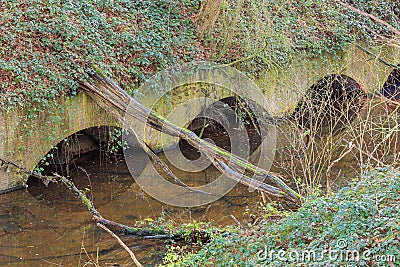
(133, 257)
(45, 179)
(140, 232)
(155, 159)
(110, 93)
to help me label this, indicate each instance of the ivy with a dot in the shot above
(362, 217)
(273, 34)
(46, 46)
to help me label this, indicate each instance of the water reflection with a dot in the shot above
(47, 226)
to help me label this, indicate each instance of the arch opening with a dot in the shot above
(93, 159)
(225, 121)
(329, 105)
(391, 87)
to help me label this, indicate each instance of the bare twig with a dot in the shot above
(45, 179)
(351, 146)
(89, 205)
(378, 58)
(237, 222)
(369, 155)
(133, 257)
(388, 41)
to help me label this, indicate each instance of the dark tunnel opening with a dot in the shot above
(330, 105)
(391, 87)
(94, 160)
(228, 120)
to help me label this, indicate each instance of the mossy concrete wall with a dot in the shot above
(285, 87)
(25, 137)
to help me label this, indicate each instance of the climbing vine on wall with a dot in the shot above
(45, 46)
(269, 34)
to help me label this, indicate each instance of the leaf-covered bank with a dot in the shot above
(357, 226)
(46, 46)
(255, 36)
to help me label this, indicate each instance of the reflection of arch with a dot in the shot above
(391, 87)
(330, 104)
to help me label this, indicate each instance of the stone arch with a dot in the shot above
(180, 106)
(329, 104)
(212, 123)
(391, 87)
(26, 138)
(106, 177)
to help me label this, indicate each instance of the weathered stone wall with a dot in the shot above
(282, 88)
(25, 137)
(286, 87)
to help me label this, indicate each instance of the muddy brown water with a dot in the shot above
(42, 226)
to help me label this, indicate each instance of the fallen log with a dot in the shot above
(105, 91)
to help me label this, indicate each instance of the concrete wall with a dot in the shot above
(25, 137)
(286, 87)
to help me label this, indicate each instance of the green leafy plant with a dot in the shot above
(362, 217)
(47, 46)
(268, 35)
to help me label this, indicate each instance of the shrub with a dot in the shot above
(363, 217)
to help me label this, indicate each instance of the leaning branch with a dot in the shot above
(110, 93)
(140, 232)
(155, 159)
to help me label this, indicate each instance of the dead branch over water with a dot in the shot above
(136, 231)
(104, 91)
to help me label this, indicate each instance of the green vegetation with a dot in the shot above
(363, 217)
(46, 46)
(260, 35)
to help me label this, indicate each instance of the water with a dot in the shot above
(43, 226)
